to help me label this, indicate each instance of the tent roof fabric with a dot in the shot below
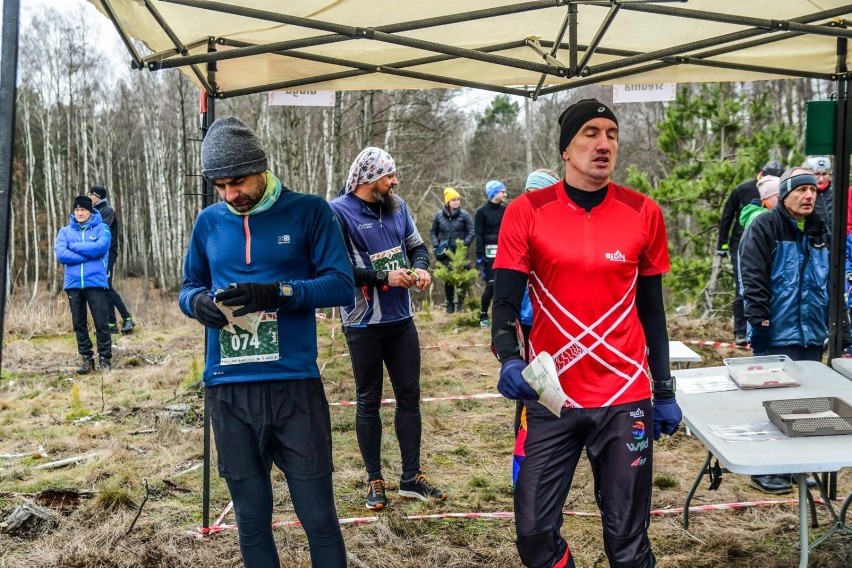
(496, 45)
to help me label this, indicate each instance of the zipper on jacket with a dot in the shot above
(248, 238)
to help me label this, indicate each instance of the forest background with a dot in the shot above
(82, 120)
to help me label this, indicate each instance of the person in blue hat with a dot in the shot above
(486, 223)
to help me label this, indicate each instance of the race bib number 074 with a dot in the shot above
(245, 347)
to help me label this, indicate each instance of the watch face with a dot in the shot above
(286, 290)
(382, 275)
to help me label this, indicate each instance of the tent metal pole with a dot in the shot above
(837, 305)
(137, 60)
(8, 90)
(596, 41)
(566, 25)
(309, 23)
(838, 314)
(165, 27)
(208, 115)
(768, 24)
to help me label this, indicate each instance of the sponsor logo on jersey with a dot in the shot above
(283, 239)
(638, 430)
(364, 226)
(638, 462)
(637, 413)
(638, 447)
(616, 256)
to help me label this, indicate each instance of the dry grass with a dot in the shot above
(467, 450)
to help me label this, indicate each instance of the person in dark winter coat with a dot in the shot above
(98, 194)
(82, 247)
(486, 223)
(450, 225)
(820, 166)
(783, 279)
(731, 231)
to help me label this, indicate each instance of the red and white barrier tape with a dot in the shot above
(387, 401)
(220, 527)
(708, 343)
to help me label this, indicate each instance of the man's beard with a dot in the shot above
(388, 203)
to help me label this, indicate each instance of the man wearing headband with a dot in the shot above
(388, 257)
(784, 266)
(593, 253)
(274, 256)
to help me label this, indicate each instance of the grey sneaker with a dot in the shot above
(419, 488)
(376, 498)
(484, 322)
(87, 365)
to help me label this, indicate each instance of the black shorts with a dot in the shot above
(284, 422)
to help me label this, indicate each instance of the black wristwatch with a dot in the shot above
(666, 386)
(285, 290)
(382, 276)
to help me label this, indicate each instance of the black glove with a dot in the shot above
(207, 313)
(760, 339)
(253, 297)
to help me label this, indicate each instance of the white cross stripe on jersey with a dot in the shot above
(600, 340)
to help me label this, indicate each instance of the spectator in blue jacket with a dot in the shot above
(274, 256)
(82, 246)
(783, 279)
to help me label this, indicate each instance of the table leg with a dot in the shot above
(693, 489)
(803, 519)
(844, 508)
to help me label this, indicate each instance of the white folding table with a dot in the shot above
(796, 455)
(680, 353)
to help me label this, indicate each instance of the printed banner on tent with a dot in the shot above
(301, 98)
(643, 93)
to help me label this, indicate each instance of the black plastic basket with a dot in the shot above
(779, 411)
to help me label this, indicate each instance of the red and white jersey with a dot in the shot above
(583, 269)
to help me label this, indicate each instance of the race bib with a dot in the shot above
(490, 251)
(389, 260)
(243, 346)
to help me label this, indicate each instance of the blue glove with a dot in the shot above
(667, 417)
(759, 339)
(512, 385)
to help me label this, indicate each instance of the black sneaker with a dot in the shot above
(419, 488)
(105, 364)
(741, 339)
(113, 328)
(127, 326)
(376, 498)
(771, 484)
(451, 307)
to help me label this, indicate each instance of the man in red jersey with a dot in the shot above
(593, 253)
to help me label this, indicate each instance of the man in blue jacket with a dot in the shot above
(783, 278)
(388, 257)
(82, 246)
(273, 256)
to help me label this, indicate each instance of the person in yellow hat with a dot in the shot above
(451, 225)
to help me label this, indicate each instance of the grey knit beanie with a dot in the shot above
(231, 149)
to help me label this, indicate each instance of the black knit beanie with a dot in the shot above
(231, 149)
(99, 190)
(85, 202)
(578, 114)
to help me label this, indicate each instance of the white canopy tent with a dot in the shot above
(529, 49)
(495, 45)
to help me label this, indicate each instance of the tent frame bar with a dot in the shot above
(603, 72)
(125, 39)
